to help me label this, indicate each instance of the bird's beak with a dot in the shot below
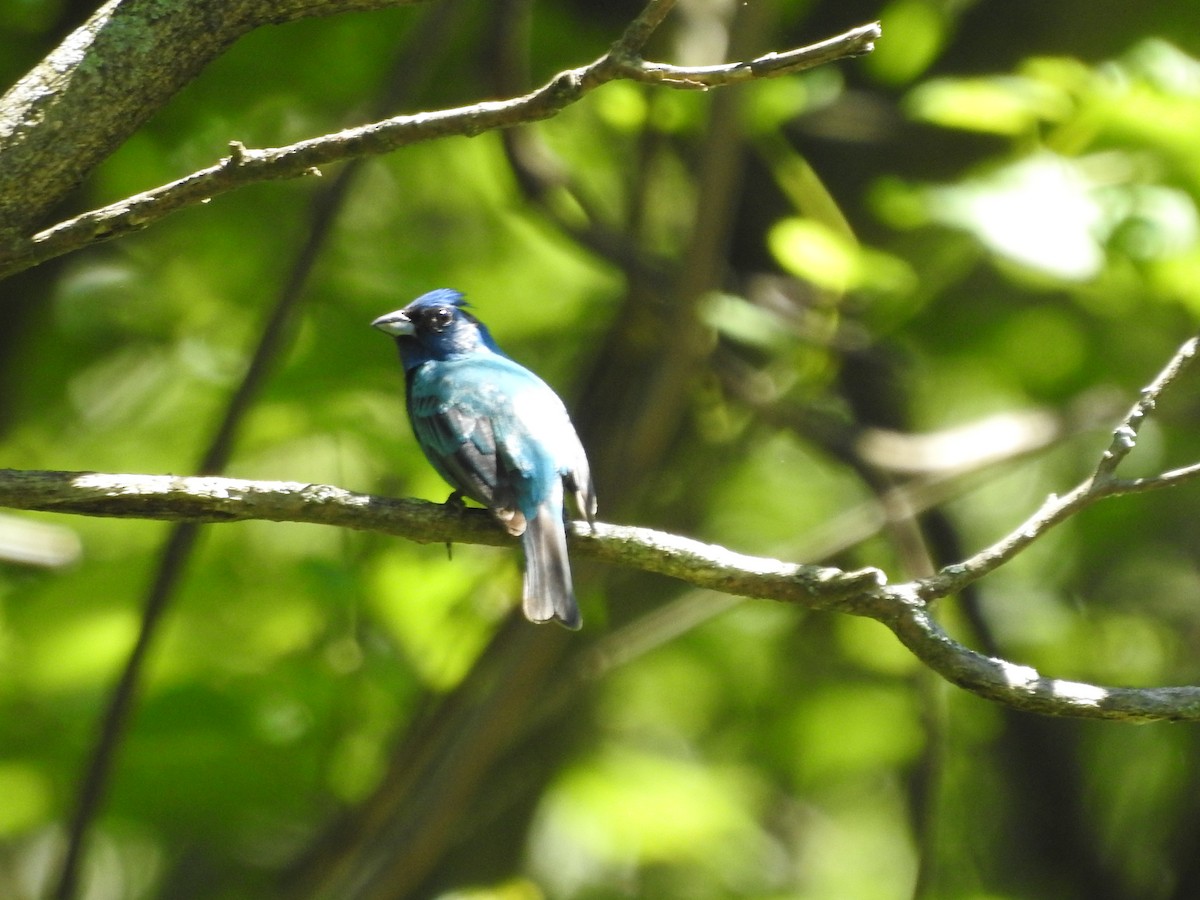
(395, 323)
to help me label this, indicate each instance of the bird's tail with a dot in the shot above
(548, 593)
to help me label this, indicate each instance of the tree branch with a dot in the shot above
(904, 608)
(855, 42)
(245, 166)
(107, 78)
(1023, 687)
(213, 499)
(1125, 435)
(1102, 483)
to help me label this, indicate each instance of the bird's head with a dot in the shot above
(436, 326)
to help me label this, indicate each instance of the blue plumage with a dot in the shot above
(499, 435)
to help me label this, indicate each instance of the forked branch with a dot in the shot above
(904, 608)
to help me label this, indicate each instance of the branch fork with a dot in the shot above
(905, 607)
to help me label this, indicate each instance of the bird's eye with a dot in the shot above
(440, 318)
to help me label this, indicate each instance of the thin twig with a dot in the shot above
(1171, 478)
(1101, 484)
(640, 29)
(1125, 435)
(855, 42)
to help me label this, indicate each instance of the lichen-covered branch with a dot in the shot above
(247, 166)
(1023, 687)
(211, 499)
(904, 608)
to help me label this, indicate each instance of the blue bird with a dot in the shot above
(499, 435)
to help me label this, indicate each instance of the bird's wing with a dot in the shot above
(460, 415)
(499, 434)
(456, 435)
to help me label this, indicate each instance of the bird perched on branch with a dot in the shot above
(499, 435)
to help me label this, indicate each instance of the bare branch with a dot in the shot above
(1101, 484)
(212, 499)
(246, 166)
(901, 607)
(635, 36)
(1171, 478)
(1023, 687)
(904, 608)
(1125, 436)
(855, 42)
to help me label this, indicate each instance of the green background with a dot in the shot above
(743, 295)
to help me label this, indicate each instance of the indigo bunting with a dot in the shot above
(499, 435)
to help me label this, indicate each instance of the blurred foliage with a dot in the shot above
(995, 212)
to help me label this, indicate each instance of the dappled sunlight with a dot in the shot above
(861, 320)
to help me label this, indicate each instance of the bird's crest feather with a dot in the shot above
(440, 297)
